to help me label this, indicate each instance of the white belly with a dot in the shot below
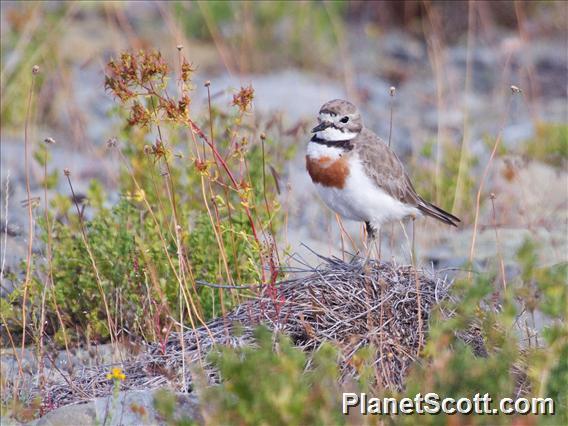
(362, 200)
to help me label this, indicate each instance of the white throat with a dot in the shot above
(317, 151)
(333, 134)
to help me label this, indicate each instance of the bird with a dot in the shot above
(359, 176)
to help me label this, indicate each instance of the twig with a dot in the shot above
(335, 301)
(35, 71)
(6, 199)
(498, 241)
(392, 92)
(484, 176)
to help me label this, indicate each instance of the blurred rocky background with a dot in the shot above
(452, 64)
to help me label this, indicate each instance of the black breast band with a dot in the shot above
(344, 144)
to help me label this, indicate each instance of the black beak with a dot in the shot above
(322, 126)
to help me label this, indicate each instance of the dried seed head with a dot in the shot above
(516, 89)
(111, 143)
(201, 166)
(392, 90)
(179, 47)
(49, 141)
(66, 171)
(148, 149)
(492, 196)
(207, 83)
(35, 70)
(263, 136)
(243, 99)
(186, 70)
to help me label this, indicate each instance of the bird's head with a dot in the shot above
(338, 120)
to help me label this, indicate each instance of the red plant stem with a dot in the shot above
(196, 129)
(202, 135)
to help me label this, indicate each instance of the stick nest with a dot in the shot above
(338, 302)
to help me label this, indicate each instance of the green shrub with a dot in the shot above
(550, 144)
(514, 360)
(272, 384)
(190, 210)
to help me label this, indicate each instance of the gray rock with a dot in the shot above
(457, 248)
(401, 46)
(127, 408)
(81, 414)
(278, 92)
(515, 135)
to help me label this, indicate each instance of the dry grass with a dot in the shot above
(335, 302)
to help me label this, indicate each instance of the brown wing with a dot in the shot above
(385, 168)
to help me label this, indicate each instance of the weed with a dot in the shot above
(186, 213)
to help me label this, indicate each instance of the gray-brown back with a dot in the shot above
(384, 167)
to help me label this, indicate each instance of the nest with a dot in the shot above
(382, 304)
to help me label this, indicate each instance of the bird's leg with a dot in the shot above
(371, 234)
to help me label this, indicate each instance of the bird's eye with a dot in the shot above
(344, 119)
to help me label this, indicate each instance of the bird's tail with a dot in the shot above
(430, 209)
